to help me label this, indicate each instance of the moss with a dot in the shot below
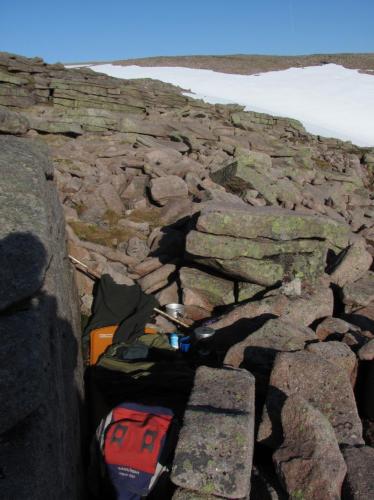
(80, 208)
(100, 235)
(240, 439)
(297, 495)
(187, 465)
(150, 215)
(208, 488)
(322, 164)
(111, 217)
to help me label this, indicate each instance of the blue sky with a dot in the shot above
(74, 31)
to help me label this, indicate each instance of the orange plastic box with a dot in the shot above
(100, 339)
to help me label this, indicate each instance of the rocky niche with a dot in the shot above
(41, 368)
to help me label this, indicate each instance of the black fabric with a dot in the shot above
(123, 305)
(165, 384)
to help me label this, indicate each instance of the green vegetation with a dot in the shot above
(100, 235)
(150, 215)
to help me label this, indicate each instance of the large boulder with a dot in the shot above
(264, 245)
(41, 367)
(258, 350)
(323, 384)
(309, 461)
(273, 223)
(215, 447)
(303, 310)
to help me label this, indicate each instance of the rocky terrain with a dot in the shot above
(251, 64)
(249, 221)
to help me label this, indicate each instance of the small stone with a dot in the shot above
(366, 352)
(248, 290)
(292, 288)
(158, 278)
(168, 295)
(165, 188)
(142, 227)
(360, 293)
(356, 340)
(137, 248)
(111, 198)
(331, 326)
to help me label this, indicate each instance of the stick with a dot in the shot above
(94, 275)
(167, 316)
(87, 270)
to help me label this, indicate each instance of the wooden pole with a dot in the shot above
(92, 274)
(170, 318)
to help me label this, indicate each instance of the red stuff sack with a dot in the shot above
(135, 444)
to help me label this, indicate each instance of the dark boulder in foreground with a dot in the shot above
(41, 372)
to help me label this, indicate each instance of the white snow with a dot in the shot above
(329, 100)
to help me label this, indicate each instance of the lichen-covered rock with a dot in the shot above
(248, 290)
(214, 291)
(12, 122)
(215, 447)
(229, 247)
(309, 461)
(321, 383)
(22, 211)
(261, 272)
(264, 246)
(253, 170)
(273, 223)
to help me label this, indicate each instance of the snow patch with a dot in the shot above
(329, 100)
